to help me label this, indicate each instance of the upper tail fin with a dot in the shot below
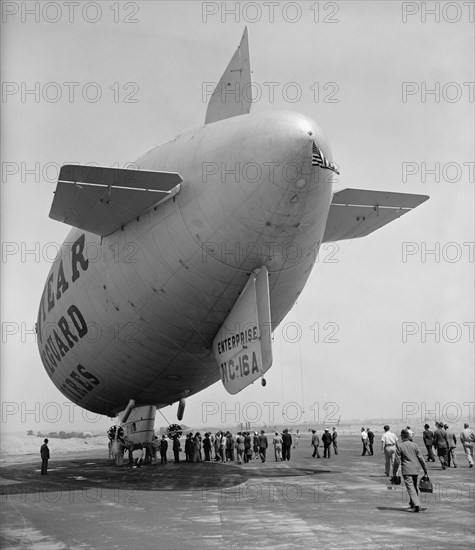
(233, 94)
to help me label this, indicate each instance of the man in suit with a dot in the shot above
(296, 438)
(467, 438)
(240, 448)
(286, 444)
(442, 444)
(176, 448)
(334, 439)
(44, 452)
(207, 446)
(315, 444)
(409, 456)
(163, 450)
(155, 448)
(428, 437)
(327, 441)
(277, 441)
(452, 440)
(370, 440)
(263, 444)
(388, 447)
(364, 440)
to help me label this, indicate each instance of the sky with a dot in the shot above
(385, 325)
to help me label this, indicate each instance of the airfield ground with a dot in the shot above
(344, 502)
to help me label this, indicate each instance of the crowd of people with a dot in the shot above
(404, 458)
(442, 442)
(245, 446)
(224, 446)
(240, 448)
(328, 440)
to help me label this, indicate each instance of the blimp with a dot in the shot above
(176, 271)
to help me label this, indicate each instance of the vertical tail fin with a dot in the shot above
(233, 94)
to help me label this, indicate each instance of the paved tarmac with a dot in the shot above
(344, 502)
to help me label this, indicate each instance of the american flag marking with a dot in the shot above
(319, 160)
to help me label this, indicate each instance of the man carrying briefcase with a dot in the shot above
(411, 460)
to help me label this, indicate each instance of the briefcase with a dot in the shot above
(425, 485)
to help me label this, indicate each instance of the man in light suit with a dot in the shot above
(411, 460)
(388, 447)
(364, 440)
(315, 444)
(334, 439)
(452, 440)
(467, 437)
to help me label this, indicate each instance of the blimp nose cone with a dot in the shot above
(293, 145)
(291, 200)
(288, 142)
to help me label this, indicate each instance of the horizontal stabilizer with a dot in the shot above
(102, 200)
(233, 93)
(356, 213)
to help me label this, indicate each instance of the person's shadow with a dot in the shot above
(393, 509)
